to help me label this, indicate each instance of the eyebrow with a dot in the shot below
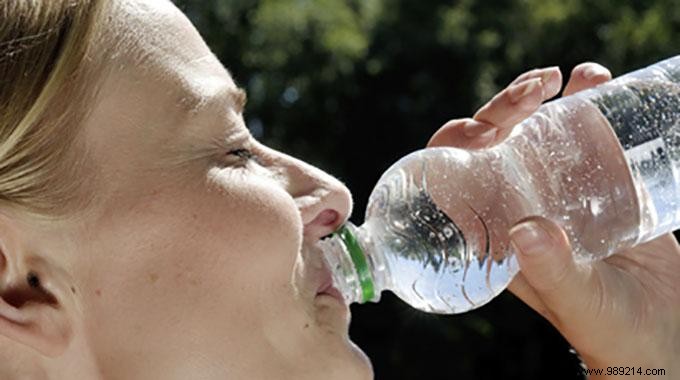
(239, 98)
(193, 102)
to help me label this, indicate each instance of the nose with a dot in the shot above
(323, 201)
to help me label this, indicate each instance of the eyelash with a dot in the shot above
(244, 155)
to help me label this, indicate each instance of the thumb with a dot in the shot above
(547, 263)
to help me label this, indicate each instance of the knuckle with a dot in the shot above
(484, 109)
(453, 123)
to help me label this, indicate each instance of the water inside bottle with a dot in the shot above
(604, 164)
(644, 112)
(438, 270)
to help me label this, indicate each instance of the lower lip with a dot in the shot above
(334, 293)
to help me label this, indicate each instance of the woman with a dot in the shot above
(146, 235)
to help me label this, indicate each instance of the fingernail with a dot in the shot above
(521, 90)
(594, 71)
(530, 238)
(550, 87)
(479, 130)
(548, 72)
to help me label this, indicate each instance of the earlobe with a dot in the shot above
(33, 317)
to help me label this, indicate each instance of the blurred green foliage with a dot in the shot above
(352, 85)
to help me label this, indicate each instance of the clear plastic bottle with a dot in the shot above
(604, 163)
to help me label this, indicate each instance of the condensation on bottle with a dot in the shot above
(603, 163)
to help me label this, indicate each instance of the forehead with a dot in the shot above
(159, 42)
(159, 69)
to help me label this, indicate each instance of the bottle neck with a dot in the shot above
(358, 269)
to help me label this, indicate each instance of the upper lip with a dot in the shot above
(326, 280)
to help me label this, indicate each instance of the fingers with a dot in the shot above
(551, 77)
(521, 288)
(494, 121)
(586, 75)
(521, 98)
(464, 133)
(567, 290)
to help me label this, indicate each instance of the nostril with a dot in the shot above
(325, 218)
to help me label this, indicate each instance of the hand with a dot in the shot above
(621, 311)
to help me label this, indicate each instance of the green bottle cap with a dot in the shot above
(359, 261)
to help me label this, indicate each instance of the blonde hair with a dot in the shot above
(47, 61)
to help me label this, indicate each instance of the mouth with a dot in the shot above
(326, 287)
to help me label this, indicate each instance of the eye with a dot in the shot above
(242, 153)
(241, 157)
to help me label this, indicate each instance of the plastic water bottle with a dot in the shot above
(603, 163)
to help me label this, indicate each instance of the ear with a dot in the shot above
(33, 317)
(31, 313)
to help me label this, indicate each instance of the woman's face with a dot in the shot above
(197, 260)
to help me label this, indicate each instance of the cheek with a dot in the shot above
(259, 211)
(255, 237)
(260, 227)
(201, 257)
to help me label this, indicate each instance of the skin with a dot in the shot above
(197, 258)
(620, 311)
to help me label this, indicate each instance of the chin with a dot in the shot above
(362, 364)
(345, 361)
